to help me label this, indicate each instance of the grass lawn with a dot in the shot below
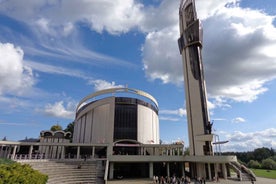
(265, 173)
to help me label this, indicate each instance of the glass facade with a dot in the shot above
(125, 121)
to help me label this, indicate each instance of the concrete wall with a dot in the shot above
(148, 125)
(95, 123)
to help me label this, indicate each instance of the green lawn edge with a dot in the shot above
(265, 173)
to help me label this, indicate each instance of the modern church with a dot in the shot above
(120, 128)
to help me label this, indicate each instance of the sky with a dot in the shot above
(54, 53)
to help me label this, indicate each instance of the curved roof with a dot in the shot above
(112, 91)
(54, 133)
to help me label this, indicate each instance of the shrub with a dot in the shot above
(268, 164)
(16, 173)
(254, 164)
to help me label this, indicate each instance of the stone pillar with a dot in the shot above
(93, 152)
(62, 152)
(216, 171)
(111, 170)
(78, 152)
(168, 169)
(14, 152)
(224, 171)
(209, 172)
(46, 151)
(1, 151)
(151, 170)
(183, 169)
(30, 152)
(109, 150)
(6, 152)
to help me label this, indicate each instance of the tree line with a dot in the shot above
(260, 158)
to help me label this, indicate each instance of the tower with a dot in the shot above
(190, 45)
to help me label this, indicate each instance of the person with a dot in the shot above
(156, 179)
(209, 127)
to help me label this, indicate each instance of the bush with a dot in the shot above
(254, 164)
(16, 173)
(268, 164)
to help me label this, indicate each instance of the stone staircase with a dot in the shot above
(69, 171)
(244, 173)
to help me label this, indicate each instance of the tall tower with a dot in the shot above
(190, 45)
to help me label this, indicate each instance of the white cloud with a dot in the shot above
(240, 141)
(114, 16)
(172, 115)
(206, 9)
(168, 118)
(161, 57)
(238, 120)
(235, 69)
(59, 110)
(15, 77)
(54, 69)
(160, 17)
(238, 69)
(102, 84)
(179, 112)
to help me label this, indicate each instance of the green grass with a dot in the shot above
(265, 173)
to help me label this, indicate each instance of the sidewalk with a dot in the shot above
(147, 181)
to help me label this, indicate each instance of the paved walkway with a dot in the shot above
(145, 181)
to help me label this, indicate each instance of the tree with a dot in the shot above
(268, 164)
(187, 151)
(261, 154)
(56, 127)
(254, 164)
(70, 128)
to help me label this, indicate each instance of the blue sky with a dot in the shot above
(54, 53)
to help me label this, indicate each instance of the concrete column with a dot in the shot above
(168, 169)
(183, 169)
(224, 171)
(14, 152)
(93, 152)
(111, 170)
(62, 152)
(209, 172)
(1, 151)
(7, 151)
(216, 171)
(30, 152)
(46, 151)
(109, 149)
(78, 152)
(151, 170)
